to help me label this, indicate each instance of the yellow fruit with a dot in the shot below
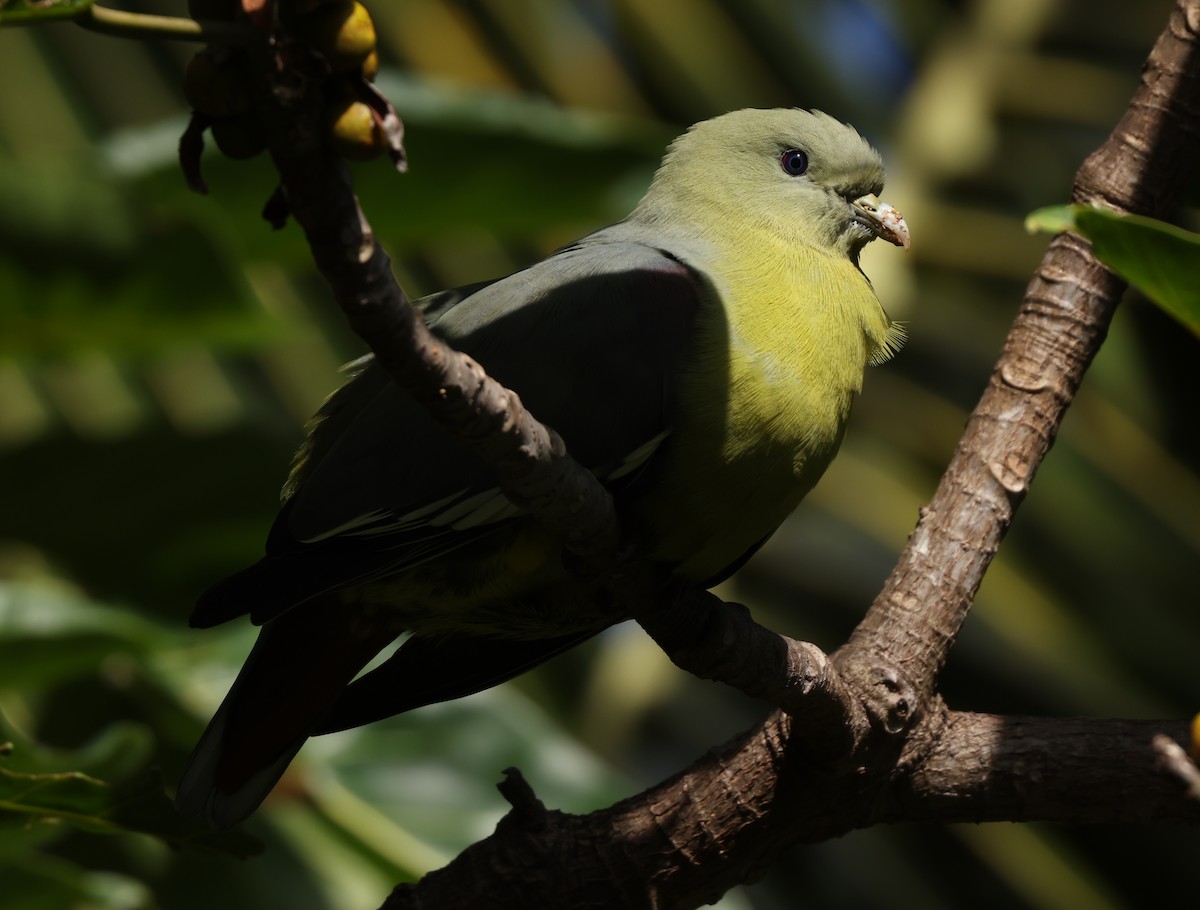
(370, 66)
(238, 137)
(213, 85)
(356, 134)
(343, 32)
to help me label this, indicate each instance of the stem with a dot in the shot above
(123, 24)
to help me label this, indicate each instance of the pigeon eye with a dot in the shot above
(794, 162)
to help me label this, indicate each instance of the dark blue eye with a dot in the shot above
(794, 162)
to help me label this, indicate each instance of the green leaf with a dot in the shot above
(51, 633)
(1053, 219)
(1159, 259)
(435, 773)
(118, 751)
(90, 804)
(32, 12)
(39, 881)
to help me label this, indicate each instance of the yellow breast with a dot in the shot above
(763, 403)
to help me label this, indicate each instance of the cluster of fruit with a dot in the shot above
(340, 30)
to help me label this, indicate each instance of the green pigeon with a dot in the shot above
(700, 357)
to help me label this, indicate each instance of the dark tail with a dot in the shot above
(300, 665)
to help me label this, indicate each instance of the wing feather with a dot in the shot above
(589, 338)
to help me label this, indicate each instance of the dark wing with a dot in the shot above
(298, 669)
(590, 338)
(428, 670)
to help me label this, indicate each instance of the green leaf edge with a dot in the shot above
(1084, 219)
(113, 817)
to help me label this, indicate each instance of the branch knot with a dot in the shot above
(528, 812)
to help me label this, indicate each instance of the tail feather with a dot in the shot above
(200, 795)
(298, 668)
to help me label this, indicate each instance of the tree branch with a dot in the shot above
(1063, 769)
(531, 462)
(1060, 327)
(868, 740)
(720, 641)
(728, 816)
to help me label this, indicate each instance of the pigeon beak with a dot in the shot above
(881, 219)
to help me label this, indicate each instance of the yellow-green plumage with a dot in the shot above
(765, 397)
(701, 357)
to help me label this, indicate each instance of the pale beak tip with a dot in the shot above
(883, 219)
(894, 228)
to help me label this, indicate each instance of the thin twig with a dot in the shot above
(124, 24)
(1178, 763)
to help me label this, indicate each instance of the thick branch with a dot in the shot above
(1061, 769)
(728, 816)
(721, 641)
(1062, 322)
(727, 819)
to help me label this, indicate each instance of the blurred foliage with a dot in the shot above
(159, 352)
